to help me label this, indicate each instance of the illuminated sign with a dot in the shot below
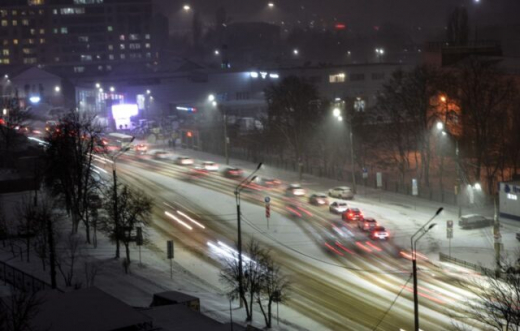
(263, 75)
(34, 99)
(122, 114)
(188, 109)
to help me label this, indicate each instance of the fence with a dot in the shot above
(21, 280)
(478, 268)
(332, 172)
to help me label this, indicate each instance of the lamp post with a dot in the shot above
(413, 245)
(336, 112)
(116, 211)
(222, 110)
(239, 189)
(457, 163)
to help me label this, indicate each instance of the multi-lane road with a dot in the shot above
(341, 279)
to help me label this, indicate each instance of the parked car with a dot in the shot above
(342, 192)
(184, 160)
(294, 190)
(231, 172)
(338, 207)
(319, 199)
(380, 233)
(474, 221)
(352, 214)
(367, 224)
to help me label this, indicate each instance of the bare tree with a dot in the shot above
(263, 282)
(69, 253)
(485, 96)
(134, 209)
(27, 217)
(18, 310)
(496, 300)
(69, 167)
(15, 118)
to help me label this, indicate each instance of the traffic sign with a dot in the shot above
(415, 188)
(449, 233)
(267, 199)
(267, 210)
(379, 177)
(449, 224)
(365, 173)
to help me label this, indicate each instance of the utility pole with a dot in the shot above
(226, 138)
(116, 215)
(498, 238)
(351, 136)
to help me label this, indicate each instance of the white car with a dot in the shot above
(295, 190)
(184, 160)
(338, 207)
(210, 166)
(341, 192)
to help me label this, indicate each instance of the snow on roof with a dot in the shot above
(85, 310)
(180, 317)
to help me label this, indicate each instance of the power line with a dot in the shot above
(393, 302)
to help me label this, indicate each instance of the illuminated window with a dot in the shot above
(123, 56)
(122, 46)
(86, 57)
(122, 37)
(134, 46)
(30, 41)
(133, 37)
(42, 41)
(337, 78)
(109, 67)
(147, 45)
(64, 30)
(15, 22)
(3, 13)
(83, 39)
(15, 41)
(36, 2)
(27, 51)
(79, 69)
(55, 11)
(55, 30)
(148, 55)
(32, 31)
(25, 22)
(110, 47)
(146, 36)
(109, 28)
(4, 23)
(42, 31)
(56, 59)
(4, 61)
(110, 56)
(5, 52)
(14, 12)
(29, 60)
(512, 196)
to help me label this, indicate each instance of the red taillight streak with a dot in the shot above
(344, 248)
(373, 246)
(293, 211)
(305, 211)
(333, 249)
(405, 255)
(439, 301)
(360, 245)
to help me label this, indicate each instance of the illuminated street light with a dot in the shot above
(270, 5)
(443, 98)
(5, 112)
(440, 126)
(100, 90)
(98, 85)
(148, 91)
(216, 52)
(186, 8)
(340, 118)
(6, 76)
(211, 98)
(112, 89)
(477, 185)
(336, 112)
(57, 89)
(295, 51)
(214, 103)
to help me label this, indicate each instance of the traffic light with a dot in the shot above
(189, 134)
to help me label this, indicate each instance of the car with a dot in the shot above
(338, 207)
(474, 221)
(209, 166)
(184, 160)
(267, 182)
(231, 172)
(294, 190)
(342, 192)
(367, 224)
(161, 155)
(319, 199)
(379, 232)
(352, 214)
(518, 236)
(141, 149)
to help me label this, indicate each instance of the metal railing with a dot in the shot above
(478, 268)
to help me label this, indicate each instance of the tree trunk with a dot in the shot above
(52, 253)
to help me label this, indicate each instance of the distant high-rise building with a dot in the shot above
(76, 37)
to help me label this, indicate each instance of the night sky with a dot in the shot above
(355, 13)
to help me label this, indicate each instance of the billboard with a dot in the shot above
(122, 114)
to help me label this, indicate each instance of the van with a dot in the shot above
(474, 221)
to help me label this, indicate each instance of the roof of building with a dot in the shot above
(85, 310)
(175, 296)
(180, 317)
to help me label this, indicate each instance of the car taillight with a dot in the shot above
(350, 214)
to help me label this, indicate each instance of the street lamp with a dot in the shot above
(296, 52)
(148, 91)
(336, 112)
(57, 89)
(216, 52)
(98, 85)
(186, 7)
(211, 97)
(112, 89)
(270, 5)
(239, 189)
(413, 244)
(215, 104)
(440, 126)
(116, 215)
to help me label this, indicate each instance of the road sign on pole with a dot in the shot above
(379, 179)
(415, 188)
(267, 199)
(365, 173)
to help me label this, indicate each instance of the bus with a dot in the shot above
(116, 141)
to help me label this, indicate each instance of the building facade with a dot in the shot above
(76, 37)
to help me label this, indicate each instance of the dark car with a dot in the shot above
(379, 233)
(234, 173)
(319, 199)
(367, 224)
(352, 214)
